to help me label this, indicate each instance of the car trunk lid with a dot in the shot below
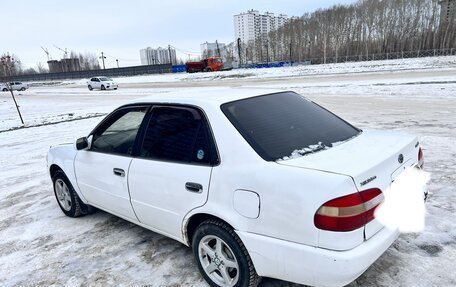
(372, 159)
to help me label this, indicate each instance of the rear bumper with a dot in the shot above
(314, 266)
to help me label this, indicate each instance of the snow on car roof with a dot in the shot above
(200, 96)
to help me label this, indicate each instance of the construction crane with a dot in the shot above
(65, 52)
(47, 52)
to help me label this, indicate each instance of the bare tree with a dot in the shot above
(41, 68)
(363, 30)
(9, 65)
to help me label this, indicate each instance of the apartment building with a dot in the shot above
(213, 50)
(251, 25)
(150, 56)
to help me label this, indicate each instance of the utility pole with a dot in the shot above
(324, 47)
(239, 50)
(102, 59)
(117, 60)
(8, 64)
(169, 53)
(290, 54)
(218, 48)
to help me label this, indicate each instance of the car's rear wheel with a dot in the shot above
(67, 198)
(90, 87)
(103, 87)
(222, 258)
(5, 90)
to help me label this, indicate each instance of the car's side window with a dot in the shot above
(178, 134)
(93, 79)
(117, 135)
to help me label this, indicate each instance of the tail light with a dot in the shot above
(420, 158)
(348, 212)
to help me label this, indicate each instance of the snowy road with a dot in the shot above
(40, 246)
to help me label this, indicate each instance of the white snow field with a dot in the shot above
(40, 246)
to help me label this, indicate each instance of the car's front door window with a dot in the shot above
(118, 134)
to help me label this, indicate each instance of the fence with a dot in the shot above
(114, 72)
(385, 56)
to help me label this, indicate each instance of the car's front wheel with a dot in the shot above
(5, 90)
(103, 87)
(22, 89)
(90, 87)
(67, 198)
(222, 258)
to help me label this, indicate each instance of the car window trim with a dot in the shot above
(110, 115)
(214, 146)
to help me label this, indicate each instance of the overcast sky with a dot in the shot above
(121, 28)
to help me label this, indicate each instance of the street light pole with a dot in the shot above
(103, 59)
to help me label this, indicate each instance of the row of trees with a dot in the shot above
(87, 61)
(364, 28)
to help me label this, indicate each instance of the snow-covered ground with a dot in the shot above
(430, 63)
(40, 246)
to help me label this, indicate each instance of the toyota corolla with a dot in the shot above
(258, 184)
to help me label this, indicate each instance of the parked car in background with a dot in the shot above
(15, 86)
(256, 183)
(102, 83)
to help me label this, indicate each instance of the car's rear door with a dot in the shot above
(171, 173)
(101, 171)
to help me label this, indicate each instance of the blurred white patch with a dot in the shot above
(403, 207)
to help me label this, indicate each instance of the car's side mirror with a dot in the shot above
(82, 143)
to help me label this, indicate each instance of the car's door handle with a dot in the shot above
(119, 172)
(194, 187)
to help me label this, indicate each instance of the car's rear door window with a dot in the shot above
(178, 134)
(118, 133)
(283, 125)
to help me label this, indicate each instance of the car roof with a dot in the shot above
(201, 96)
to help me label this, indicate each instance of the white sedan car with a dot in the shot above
(15, 86)
(258, 184)
(102, 83)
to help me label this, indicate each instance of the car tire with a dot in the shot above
(90, 87)
(215, 246)
(103, 87)
(22, 89)
(5, 90)
(67, 198)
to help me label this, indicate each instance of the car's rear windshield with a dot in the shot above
(286, 125)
